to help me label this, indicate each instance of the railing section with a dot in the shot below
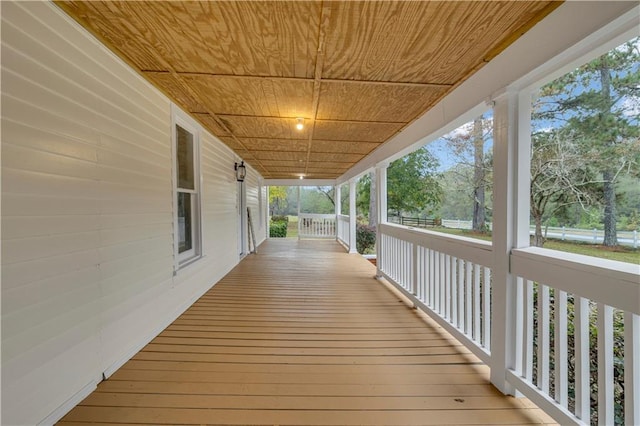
(577, 318)
(343, 229)
(448, 277)
(578, 335)
(317, 225)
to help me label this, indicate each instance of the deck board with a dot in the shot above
(302, 334)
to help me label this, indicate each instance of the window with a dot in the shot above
(187, 193)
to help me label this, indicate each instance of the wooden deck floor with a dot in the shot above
(302, 334)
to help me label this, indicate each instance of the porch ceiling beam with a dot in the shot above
(326, 120)
(301, 79)
(324, 25)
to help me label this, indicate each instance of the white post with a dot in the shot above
(381, 209)
(337, 195)
(632, 368)
(352, 216)
(299, 224)
(267, 217)
(635, 239)
(511, 144)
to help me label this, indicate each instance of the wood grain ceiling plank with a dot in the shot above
(430, 42)
(263, 127)
(326, 171)
(344, 146)
(260, 38)
(173, 88)
(266, 156)
(293, 170)
(277, 164)
(170, 26)
(288, 145)
(337, 158)
(268, 97)
(376, 102)
(352, 131)
(214, 127)
(112, 26)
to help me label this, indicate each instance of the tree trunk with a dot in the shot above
(373, 210)
(538, 238)
(478, 177)
(610, 231)
(608, 176)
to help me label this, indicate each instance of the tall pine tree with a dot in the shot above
(597, 104)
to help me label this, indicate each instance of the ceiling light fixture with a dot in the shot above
(299, 123)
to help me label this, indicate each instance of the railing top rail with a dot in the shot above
(317, 216)
(343, 217)
(613, 283)
(477, 251)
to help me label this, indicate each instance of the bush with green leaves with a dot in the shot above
(278, 229)
(365, 238)
(280, 218)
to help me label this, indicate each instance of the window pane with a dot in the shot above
(185, 158)
(185, 219)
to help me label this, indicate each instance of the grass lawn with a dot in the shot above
(621, 254)
(292, 228)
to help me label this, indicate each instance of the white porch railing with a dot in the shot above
(557, 293)
(343, 229)
(560, 297)
(317, 225)
(447, 277)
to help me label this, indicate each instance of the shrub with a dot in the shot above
(280, 218)
(365, 238)
(278, 229)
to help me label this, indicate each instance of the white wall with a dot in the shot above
(256, 202)
(87, 234)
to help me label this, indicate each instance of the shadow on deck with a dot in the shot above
(302, 333)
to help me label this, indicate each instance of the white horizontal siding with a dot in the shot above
(254, 188)
(87, 212)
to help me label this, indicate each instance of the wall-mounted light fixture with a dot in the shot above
(241, 171)
(299, 123)
(301, 177)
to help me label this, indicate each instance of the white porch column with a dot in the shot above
(381, 209)
(337, 196)
(352, 216)
(511, 145)
(267, 216)
(299, 221)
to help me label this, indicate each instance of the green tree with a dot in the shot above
(558, 177)
(467, 145)
(598, 103)
(412, 185)
(277, 199)
(315, 200)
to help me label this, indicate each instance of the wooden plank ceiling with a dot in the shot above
(358, 72)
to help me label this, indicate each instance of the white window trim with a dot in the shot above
(179, 118)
